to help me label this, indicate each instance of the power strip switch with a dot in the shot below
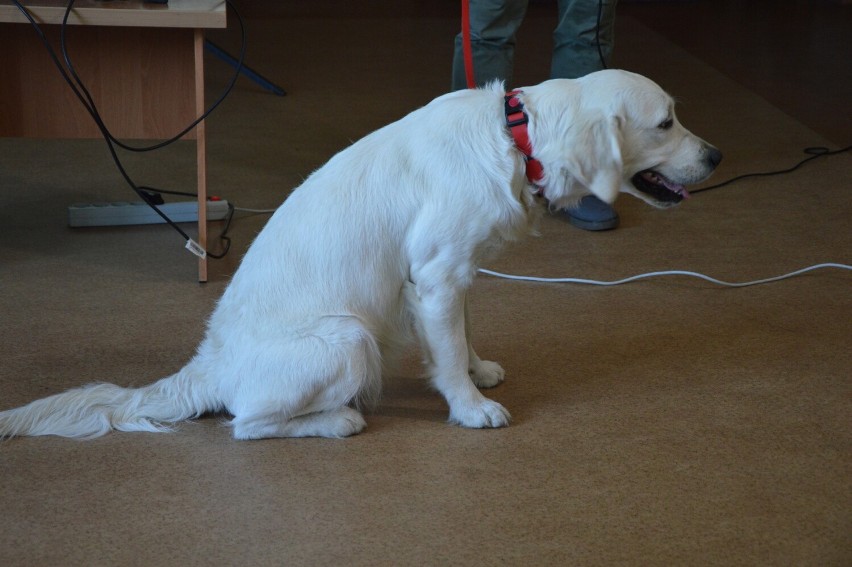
(127, 213)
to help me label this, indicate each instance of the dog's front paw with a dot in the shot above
(483, 414)
(486, 374)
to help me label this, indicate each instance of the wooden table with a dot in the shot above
(142, 62)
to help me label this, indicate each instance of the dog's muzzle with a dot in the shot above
(657, 186)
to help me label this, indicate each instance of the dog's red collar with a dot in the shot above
(517, 120)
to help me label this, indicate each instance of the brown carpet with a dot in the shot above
(663, 422)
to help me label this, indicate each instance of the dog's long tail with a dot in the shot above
(96, 409)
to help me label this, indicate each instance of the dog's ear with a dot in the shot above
(594, 157)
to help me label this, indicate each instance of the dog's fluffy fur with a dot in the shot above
(380, 245)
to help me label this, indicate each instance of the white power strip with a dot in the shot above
(124, 213)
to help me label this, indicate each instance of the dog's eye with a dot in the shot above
(666, 125)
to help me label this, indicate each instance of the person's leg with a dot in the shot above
(583, 38)
(493, 24)
(582, 43)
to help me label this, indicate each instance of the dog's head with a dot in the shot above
(610, 132)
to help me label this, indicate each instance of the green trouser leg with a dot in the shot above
(575, 40)
(493, 24)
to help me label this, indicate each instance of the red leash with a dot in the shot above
(466, 48)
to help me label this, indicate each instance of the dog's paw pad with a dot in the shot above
(485, 414)
(487, 374)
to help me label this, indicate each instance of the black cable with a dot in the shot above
(598, 35)
(150, 195)
(167, 192)
(88, 103)
(223, 236)
(96, 115)
(99, 123)
(816, 152)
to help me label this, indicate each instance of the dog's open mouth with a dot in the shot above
(655, 185)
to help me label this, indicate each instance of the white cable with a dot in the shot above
(666, 273)
(632, 278)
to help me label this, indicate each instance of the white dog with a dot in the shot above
(382, 243)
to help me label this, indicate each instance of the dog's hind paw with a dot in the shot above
(486, 374)
(484, 414)
(342, 422)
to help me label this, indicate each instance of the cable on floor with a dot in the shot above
(815, 152)
(710, 279)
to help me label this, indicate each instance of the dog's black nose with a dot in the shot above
(714, 156)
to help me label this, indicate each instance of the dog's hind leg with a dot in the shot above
(340, 422)
(302, 386)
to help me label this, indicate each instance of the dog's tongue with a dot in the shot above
(671, 186)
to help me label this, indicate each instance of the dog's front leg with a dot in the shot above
(441, 318)
(485, 373)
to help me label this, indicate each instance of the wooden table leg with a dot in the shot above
(201, 152)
